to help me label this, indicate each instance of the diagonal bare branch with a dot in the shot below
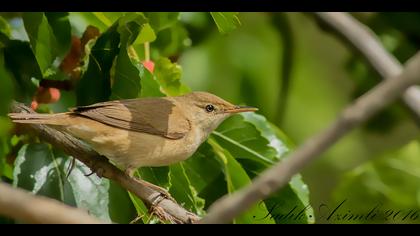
(24, 206)
(364, 40)
(228, 207)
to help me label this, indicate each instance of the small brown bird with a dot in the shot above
(142, 132)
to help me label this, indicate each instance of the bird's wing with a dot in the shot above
(157, 116)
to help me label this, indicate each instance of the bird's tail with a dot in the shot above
(34, 118)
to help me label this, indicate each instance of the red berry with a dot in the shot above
(34, 105)
(47, 95)
(150, 65)
(54, 94)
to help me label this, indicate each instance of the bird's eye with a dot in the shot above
(209, 108)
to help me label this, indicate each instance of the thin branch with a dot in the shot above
(369, 46)
(24, 206)
(166, 209)
(282, 24)
(228, 207)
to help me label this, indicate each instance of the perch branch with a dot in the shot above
(24, 206)
(228, 207)
(369, 46)
(165, 209)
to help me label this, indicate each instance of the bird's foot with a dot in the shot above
(163, 192)
(96, 170)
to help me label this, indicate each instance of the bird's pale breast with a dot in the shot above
(135, 149)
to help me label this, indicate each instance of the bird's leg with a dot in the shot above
(71, 167)
(130, 172)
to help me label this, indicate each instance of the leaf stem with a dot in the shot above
(147, 51)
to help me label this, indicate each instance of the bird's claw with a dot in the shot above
(96, 170)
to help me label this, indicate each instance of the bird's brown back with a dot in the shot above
(158, 116)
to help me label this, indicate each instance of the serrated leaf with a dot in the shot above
(256, 145)
(294, 197)
(226, 21)
(182, 189)
(245, 141)
(168, 75)
(236, 178)
(277, 139)
(42, 171)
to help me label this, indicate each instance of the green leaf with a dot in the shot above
(236, 178)
(4, 27)
(245, 141)
(296, 194)
(168, 75)
(42, 171)
(162, 20)
(155, 175)
(226, 21)
(120, 206)
(94, 85)
(41, 38)
(147, 34)
(390, 179)
(131, 79)
(38, 171)
(182, 189)
(172, 40)
(61, 30)
(149, 85)
(126, 82)
(107, 18)
(21, 62)
(6, 86)
(256, 144)
(277, 139)
(203, 168)
(101, 20)
(140, 208)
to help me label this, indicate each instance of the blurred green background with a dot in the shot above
(378, 163)
(300, 77)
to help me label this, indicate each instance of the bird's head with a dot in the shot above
(208, 110)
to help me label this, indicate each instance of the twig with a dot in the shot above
(228, 207)
(369, 46)
(24, 206)
(281, 22)
(72, 146)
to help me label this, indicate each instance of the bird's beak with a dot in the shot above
(238, 109)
